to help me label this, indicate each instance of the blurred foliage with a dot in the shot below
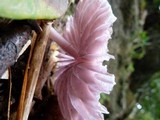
(150, 99)
(104, 98)
(135, 46)
(139, 45)
(32, 9)
(143, 4)
(156, 3)
(145, 116)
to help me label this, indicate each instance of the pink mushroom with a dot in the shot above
(80, 75)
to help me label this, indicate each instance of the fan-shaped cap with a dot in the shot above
(80, 75)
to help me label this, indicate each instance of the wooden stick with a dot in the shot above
(9, 96)
(35, 66)
(23, 92)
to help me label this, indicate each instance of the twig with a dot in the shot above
(23, 92)
(9, 96)
(35, 66)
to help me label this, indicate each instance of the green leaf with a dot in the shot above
(32, 9)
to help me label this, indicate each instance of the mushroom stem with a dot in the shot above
(62, 42)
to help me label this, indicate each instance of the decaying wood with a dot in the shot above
(46, 69)
(35, 66)
(11, 44)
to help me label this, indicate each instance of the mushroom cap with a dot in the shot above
(80, 75)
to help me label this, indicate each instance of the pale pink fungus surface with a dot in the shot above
(80, 75)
